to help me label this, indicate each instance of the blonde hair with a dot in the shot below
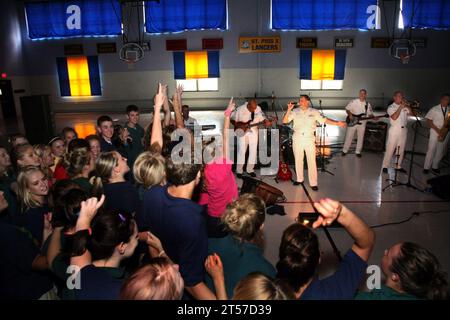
(24, 195)
(76, 160)
(149, 169)
(40, 150)
(159, 280)
(257, 286)
(245, 216)
(104, 166)
(17, 154)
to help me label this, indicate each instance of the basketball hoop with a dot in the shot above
(402, 49)
(131, 53)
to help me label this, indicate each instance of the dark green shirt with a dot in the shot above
(84, 184)
(135, 148)
(239, 259)
(384, 293)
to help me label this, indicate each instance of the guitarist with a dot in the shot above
(357, 107)
(249, 112)
(437, 117)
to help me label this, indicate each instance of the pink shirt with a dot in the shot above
(221, 187)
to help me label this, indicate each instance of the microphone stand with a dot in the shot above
(408, 184)
(323, 130)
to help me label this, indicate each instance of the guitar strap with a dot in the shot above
(444, 112)
(252, 116)
(366, 107)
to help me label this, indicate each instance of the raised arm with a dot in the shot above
(177, 103)
(290, 106)
(363, 236)
(226, 126)
(166, 108)
(157, 138)
(88, 210)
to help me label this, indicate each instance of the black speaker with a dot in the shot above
(37, 118)
(375, 136)
(440, 186)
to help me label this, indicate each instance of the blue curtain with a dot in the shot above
(433, 14)
(180, 15)
(73, 18)
(320, 14)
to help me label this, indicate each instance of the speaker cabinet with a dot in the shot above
(37, 118)
(375, 136)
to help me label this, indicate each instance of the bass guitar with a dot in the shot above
(357, 118)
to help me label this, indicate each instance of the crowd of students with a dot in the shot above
(114, 216)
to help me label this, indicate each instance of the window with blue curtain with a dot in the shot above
(321, 14)
(60, 19)
(180, 15)
(433, 14)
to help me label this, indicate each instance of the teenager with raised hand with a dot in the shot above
(172, 216)
(109, 179)
(300, 255)
(64, 217)
(99, 245)
(160, 279)
(219, 183)
(33, 195)
(412, 272)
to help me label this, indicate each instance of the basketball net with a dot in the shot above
(130, 64)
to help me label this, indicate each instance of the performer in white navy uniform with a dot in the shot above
(305, 121)
(249, 111)
(398, 113)
(437, 117)
(357, 107)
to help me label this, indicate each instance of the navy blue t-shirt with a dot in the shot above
(180, 226)
(17, 253)
(105, 146)
(33, 220)
(343, 284)
(122, 196)
(100, 283)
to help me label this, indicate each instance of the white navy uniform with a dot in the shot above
(190, 122)
(357, 107)
(436, 149)
(397, 134)
(249, 139)
(304, 141)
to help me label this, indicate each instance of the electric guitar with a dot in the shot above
(245, 126)
(357, 118)
(444, 130)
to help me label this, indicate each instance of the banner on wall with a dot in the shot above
(58, 19)
(259, 44)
